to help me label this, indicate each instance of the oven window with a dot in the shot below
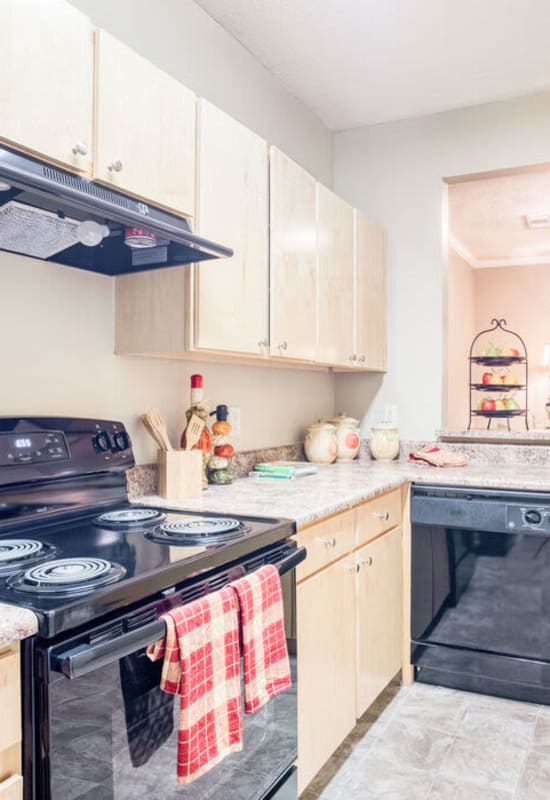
(483, 591)
(113, 736)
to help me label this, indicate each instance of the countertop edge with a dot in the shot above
(16, 623)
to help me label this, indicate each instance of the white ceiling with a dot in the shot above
(487, 219)
(360, 62)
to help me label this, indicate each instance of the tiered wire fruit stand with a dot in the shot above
(490, 392)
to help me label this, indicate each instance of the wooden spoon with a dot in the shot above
(193, 431)
(157, 422)
(152, 431)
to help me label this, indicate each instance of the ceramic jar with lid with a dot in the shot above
(320, 443)
(384, 441)
(348, 441)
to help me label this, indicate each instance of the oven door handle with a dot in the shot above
(85, 658)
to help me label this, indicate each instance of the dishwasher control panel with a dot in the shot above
(528, 518)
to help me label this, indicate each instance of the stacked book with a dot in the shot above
(283, 469)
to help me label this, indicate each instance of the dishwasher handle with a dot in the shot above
(87, 657)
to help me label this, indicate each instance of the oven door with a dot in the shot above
(106, 731)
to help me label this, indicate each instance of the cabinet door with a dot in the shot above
(46, 90)
(232, 295)
(12, 788)
(10, 703)
(370, 293)
(326, 665)
(293, 259)
(144, 128)
(335, 279)
(379, 616)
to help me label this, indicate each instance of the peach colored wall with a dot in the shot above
(521, 295)
(461, 322)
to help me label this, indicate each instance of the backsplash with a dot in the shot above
(142, 480)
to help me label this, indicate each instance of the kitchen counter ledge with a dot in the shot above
(337, 487)
(15, 624)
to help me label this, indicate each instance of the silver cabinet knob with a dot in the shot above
(384, 515)
(262, 343)
(283, 345)
(80, 149)
(368, 561)
(351, 567)
(353, 357)
(362, 358)
(115, 166)
(329, 541)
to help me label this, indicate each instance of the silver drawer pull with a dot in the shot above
(351, 567)
(385, 515)
(368, 561)
(329, 541)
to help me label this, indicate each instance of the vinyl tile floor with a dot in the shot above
(431, 743)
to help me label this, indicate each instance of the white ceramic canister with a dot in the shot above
(320, 443)
(348, 441)
(384, 441)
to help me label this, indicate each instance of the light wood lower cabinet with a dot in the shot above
(12, 788)
(326, 653)
(350, 631)
(379, 617)
(11, 783)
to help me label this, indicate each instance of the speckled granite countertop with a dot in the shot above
(334, 488)
(16, 623)
(340, 486)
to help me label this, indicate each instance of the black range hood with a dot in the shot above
(54, 215)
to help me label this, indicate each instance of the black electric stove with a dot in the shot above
(73, 549)
(99, 573)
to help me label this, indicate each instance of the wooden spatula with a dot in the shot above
(193, 431)
(156, 420)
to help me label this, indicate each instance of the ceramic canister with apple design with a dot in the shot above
(347, 437)
(320, 443)
(384, 441)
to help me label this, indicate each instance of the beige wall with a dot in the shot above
(461, 321)
(394, 173)
(520, 295)
(56, 323)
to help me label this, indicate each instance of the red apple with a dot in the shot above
(486, 377)
(488, 405)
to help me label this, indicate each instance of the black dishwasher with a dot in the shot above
(481, 590)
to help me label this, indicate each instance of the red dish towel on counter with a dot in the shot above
(265, 654)
(201, 663)
(436, 457)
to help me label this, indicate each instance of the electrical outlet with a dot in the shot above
(235, 420)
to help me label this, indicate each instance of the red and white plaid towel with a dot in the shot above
(265, 655)
(437, 457)
(201, 663)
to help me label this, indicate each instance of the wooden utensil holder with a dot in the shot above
(179, 474)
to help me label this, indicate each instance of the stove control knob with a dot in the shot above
(532, 517)
(121, 440)
(102, 442)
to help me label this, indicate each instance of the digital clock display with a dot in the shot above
(23, 442)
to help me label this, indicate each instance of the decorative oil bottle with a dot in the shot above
(219, 470)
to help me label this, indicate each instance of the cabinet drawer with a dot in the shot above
(10, 729)
(326, 541)
(377, 516)
(12, 788)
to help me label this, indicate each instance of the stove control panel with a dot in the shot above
(528, 518)
(32, 448)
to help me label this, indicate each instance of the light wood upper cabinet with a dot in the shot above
(370, 293)
(144, 128)
(335, 265)
(379, 616)
(293, 259)
(46, 89)
(232, 294)
(326, 664)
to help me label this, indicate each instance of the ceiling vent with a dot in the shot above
(538, 221)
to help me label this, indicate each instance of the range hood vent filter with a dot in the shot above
(35, 232)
